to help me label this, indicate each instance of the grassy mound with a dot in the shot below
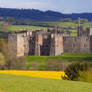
(11, 83)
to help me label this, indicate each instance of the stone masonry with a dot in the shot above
(49, 42)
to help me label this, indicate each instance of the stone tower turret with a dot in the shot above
(16, 44)
(56, 45)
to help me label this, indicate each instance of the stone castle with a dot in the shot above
(49, 42)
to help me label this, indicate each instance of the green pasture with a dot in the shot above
(20, 27)
(69, 24)
(12, 83)
(17, 28)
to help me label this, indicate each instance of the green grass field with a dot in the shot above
(70, 24)
(21, 27)
(77, 56)
(12, 83)
(41, 61)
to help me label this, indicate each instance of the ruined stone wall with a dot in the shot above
(16, 44)
(26, 45)
(48, 43)
(38, 43)
(85, 44)
(20, 45)
(32, 46)
(90, 30)
(82, 31)
(76, 44)
(56, 45)
(12, 44)
(45, 48)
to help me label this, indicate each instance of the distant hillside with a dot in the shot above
(38, 15)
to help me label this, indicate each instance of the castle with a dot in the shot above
(49, 42)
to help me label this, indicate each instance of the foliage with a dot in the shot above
(38, 15)
(72, 71)
(11, 61)
(85, 76)
(66, 20)
(2, 61)
(4, 26)
(81, 21)
(12, 83)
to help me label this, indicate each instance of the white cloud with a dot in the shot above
(22, 4)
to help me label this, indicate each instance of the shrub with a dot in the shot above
(85, 76)
(2, 61)
(72, 71)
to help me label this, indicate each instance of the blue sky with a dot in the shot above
(64, 6)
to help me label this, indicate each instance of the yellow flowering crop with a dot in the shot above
(41, 74)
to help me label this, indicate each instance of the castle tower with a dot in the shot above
(56, 45)
(16, 45)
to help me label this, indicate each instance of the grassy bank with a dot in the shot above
(41, 61)
(77, 56)
(12, 83)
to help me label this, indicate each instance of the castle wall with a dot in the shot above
(32, 46)
(45, 48)
(38, 43)
(90, 29)
(42, 43)
(85, 44)
(26, 46)
(16, 45)
(56, 45)
(20, 45)
(76, 44)
(12, 44)
(82, 31)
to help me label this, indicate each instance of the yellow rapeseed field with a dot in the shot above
(41, 74)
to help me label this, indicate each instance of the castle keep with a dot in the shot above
(49, 42)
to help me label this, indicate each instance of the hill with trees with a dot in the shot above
(37, 15)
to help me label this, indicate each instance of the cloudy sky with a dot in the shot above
(64, 6)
